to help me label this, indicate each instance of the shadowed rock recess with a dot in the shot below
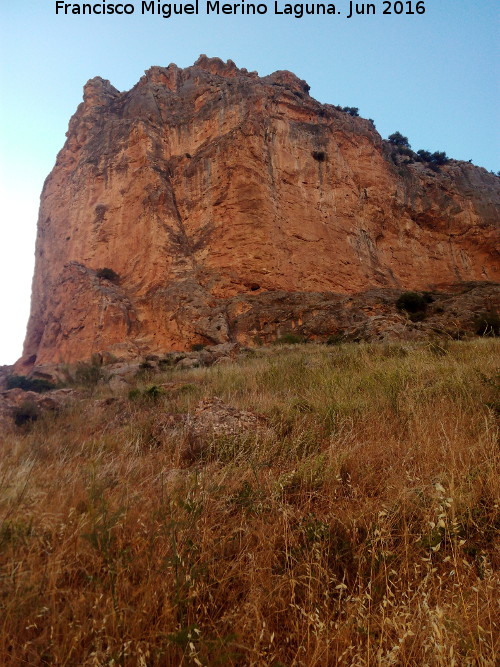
(209, 205)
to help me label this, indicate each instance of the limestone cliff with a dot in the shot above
(208, 190)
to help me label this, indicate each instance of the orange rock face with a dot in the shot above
(207, 187)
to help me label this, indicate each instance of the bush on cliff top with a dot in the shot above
(398, 139)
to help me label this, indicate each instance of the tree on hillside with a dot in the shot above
(399, 140)
(437, 158)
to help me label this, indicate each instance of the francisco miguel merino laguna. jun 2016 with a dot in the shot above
(167, 10)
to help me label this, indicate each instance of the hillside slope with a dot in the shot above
(305, 506)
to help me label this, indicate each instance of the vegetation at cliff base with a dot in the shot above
(349, 516)
(488, 323)
(37, 385)
(414, 304)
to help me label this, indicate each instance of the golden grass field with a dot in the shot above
(359, 526)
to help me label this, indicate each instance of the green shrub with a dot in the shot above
(319, 156)
(412, 303)
(108, 274)
(25, 413)
(166, 362)
(197, 347)
(437, 158)
(399, 140)
(404, 150)
(352, 111)
(134, 394)
(153, 392)
(488, 323)
(29, 384)
(336, 339)
(424, 156)
(88, 374)
(290, 339)
(428, 297)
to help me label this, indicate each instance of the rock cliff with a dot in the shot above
(208, 204)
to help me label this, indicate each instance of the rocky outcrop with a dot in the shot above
(206, 201)
(19, 407)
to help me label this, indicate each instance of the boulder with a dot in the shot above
(213, 417)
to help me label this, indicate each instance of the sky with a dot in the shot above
(432, 76)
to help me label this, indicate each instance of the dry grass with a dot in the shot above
(360, 527)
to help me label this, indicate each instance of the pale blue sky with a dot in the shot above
(432, 77)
